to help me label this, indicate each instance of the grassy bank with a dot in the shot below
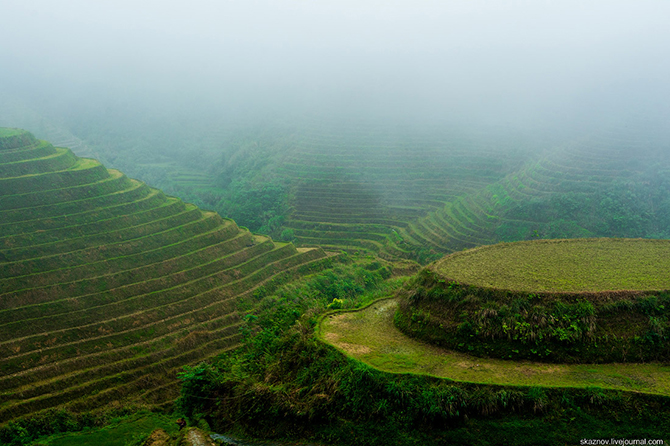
(574, 301)
(130, 430)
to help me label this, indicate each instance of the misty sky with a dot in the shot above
(507, 58)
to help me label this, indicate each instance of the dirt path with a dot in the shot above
(370, 336)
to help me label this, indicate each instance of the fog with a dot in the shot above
(529, 65)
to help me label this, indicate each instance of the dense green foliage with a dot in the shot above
(636, 207)
(128, 426)
(285, 384)
(620, 327)
(51, 422)
(262, 209)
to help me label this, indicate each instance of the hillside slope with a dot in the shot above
(108, 287)
(369, 186)
(418, 193)
(408, 191)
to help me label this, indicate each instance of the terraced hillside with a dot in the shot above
(420, 191)
(565, 193)
(370, 187)
(108, 287)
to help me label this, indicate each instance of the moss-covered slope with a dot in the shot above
(108, 287)
(581, 300)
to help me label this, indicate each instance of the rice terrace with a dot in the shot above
(280, 223)
(109, 286)
(580, 300)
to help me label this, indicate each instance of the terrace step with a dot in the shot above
(39, 150)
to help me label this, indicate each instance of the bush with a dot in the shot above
(287, 235)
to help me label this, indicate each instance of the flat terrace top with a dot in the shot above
(576, 265)
(6, 132)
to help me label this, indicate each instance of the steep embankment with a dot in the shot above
(579, 300)
(108, 287)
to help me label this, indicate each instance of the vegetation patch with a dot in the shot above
(565, 266)
(126, 430)
(286, 384)
(613, 309)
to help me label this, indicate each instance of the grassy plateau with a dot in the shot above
(580, 300)
(574, 265)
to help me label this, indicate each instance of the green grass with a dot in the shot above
(577, 265)
(6, 132)
(370, 336)
(118, 433)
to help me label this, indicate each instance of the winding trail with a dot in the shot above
(368, 335)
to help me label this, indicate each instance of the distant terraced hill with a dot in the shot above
(419, 191)
(371, 187)
(561, 195)
(108, 287)
(417, 194)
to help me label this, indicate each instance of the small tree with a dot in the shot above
(287, 235)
